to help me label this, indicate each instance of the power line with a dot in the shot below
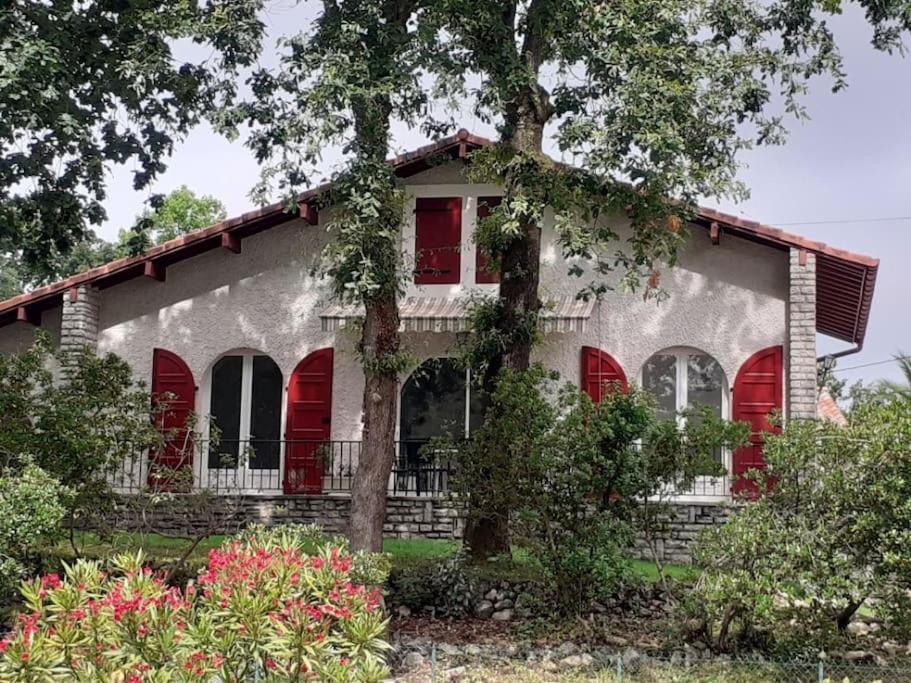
(870, 365)
(882, 219)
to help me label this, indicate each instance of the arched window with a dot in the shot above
(437, 400)
(245, 405)
(683, 378)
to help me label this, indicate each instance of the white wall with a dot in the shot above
(727, 300)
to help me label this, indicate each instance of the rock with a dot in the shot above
(491, 595)
(549, 665)
(859, 628)
(857, 656)
(454, 674)
(615, 641)
(631, 657)
(503, 604)
(502, 615)
(677, 658)
(598, 608)
(892, 648)
(403, 611)
(484, 609)
(567, 649)
(449, 649)
(472, 651)
(412, 661)
(699, 645)
(577, 661)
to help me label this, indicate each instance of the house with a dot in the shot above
(232, 321)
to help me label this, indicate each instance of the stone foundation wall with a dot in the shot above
(680, 528)
(406, 517)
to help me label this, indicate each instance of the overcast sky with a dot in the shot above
(850, 162)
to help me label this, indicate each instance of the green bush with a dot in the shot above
(264, 609)
(447, 583)
(832, 529)
(31, 509)
(573, 487)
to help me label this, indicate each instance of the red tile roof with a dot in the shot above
(827, 409)
(845, 281)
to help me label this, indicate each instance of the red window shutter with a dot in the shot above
(757, 393)
(483, 276)
(438, 240)
(600, 369)
(174, 392)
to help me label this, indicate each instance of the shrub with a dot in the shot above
(262, 610)
(78, 431)
(832, 529)
(30, 511)
(578, 473)
(446, 583)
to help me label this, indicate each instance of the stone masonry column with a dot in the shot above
(79, 319)
(801, 380)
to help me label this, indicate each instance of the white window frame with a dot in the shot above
(226, 477)
(713, 488)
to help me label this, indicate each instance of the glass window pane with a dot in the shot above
(704, 383)
(704, 386)
(433, 401)
(265, 414)
(659, 378)
(224, 408)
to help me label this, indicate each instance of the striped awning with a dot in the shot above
(441, 314)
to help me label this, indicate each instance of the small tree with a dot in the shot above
(579, 475)
(832, 530)
(79, 431)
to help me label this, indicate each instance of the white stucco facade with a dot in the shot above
(727, 300)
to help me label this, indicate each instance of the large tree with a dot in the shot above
(342, 84)
(655, 101)
(91, 84)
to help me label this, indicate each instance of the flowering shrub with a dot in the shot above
(260, 611)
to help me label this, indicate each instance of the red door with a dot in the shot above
(309, 422)
(757, 393)
(174, 393)
(600, 369)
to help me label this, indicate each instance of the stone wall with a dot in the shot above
(680, 528)
(406, 516)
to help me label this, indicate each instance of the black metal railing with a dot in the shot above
(280, 466)
(313, 467)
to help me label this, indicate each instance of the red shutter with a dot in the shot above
(598, 370)
(309, 422)
(174, 390)
(757, 393)
(438, 240)
(482, 275)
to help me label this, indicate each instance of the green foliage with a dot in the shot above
(89, 85)
(576, 475)
(31, 509)
(182, 212)
(833, 529)
(78, 431)
(447, 583)
(264, 609)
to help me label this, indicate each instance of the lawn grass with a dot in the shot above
(405, 552)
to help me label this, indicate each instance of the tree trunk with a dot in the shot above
(380, 341)
(487, 532)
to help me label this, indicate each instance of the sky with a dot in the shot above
(838, 176)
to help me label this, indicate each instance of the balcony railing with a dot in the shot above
(259, 466)
(326, 467)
